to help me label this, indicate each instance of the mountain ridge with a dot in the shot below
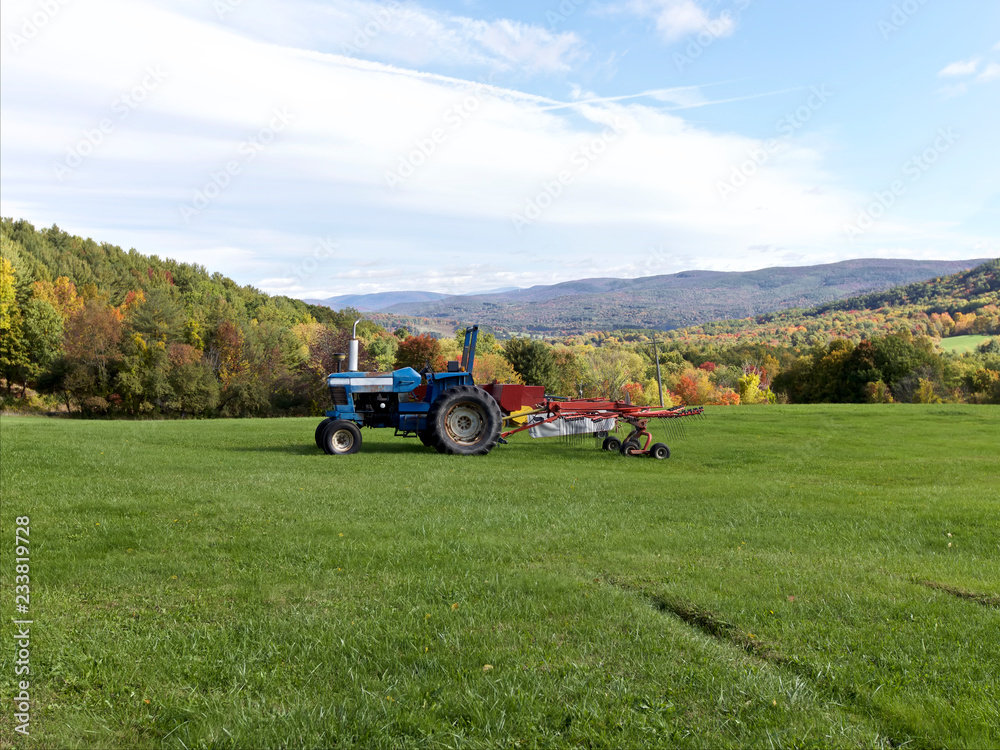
(670, 301)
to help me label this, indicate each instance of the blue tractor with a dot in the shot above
(445, 410)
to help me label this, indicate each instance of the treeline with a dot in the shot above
(108, 332)
(886, 369)
(91, 329)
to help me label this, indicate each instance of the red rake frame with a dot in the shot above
(592, 408)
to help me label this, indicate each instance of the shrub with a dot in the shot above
(925, 393)
(726, 397)
(694, 388)
(878, 393)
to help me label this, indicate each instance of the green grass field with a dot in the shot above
(962, 344)
(794, 576)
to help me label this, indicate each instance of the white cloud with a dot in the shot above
(676, 19)
(966, 69)
(960, 68)
(990, 73)
(528, 47)
(278, 284)
(405, 33)
(952, 90)
(354, 121)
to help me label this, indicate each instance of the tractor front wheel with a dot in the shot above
(341, 438)
(320, 429)
(465, 420)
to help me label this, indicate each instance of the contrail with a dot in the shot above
(655, 92)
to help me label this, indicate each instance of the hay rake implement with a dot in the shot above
(447, 411)
(577, 418)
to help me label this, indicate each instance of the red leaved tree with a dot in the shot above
(417, 351)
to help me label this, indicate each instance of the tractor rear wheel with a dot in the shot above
(659, 451)
(465, 420)
(427, 437)
(320, 429)
(341, 438)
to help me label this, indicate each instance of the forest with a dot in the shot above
(89, 329)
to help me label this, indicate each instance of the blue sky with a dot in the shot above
(323, 147)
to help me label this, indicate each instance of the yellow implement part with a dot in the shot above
(520, 416)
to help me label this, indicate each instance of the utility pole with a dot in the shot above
(659, 380)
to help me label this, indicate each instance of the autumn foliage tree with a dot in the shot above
(419, 351)
(491, 367)
(92, 343)
(694, 388)
(610, 368)
(571, 371)
(12, 349)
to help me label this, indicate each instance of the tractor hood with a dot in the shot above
(400, 381)
(405, 380)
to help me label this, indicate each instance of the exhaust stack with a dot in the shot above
(352, 349)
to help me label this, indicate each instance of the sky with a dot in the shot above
(314, 148)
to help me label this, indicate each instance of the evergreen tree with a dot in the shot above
(533, 361)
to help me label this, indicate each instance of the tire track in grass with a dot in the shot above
(986, 600)
(705, 620)
(719, 629)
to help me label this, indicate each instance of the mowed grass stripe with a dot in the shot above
(258, 593)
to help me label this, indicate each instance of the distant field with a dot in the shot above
(961, 344)
(822, 576)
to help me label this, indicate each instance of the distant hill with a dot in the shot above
(964, 291)
(675, 300)
(962, 304)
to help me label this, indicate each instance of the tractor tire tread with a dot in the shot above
(339, 425)
(455, 396)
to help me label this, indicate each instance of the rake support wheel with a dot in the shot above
(659, 451)
(629, 445)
